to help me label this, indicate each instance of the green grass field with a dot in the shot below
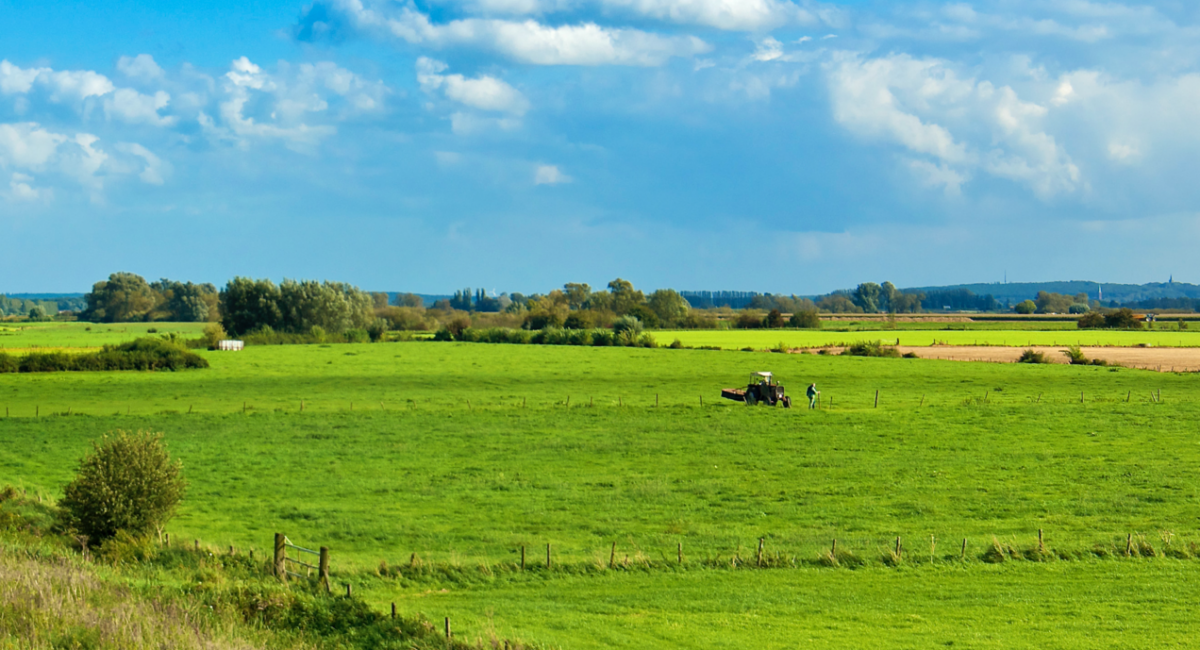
(23, 336)
(463, 453)
(765, 339)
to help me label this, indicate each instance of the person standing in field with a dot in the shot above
(812, 396)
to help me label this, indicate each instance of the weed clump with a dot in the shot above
(1032, 356)
(871, 349)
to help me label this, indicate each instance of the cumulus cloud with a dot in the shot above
(484, 93)
(920, 105)
(141, 67)
(62, 85)
(549, 175)
(527, 41)
(20, 188)
(732, 15)
(294, 97)
(27, 145)
(134, 107)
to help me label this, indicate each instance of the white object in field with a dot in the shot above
(233, 346)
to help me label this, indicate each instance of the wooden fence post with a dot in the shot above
(548, 564)
(393, 610)
(1041, 545)
(899, 549)
(280, 549)
(877, 398)
(447, 628)
(761, 541)
(568, 401)
(963, 555)
(612, 556)
(522, 558)
(323, 568)
(656, 400)
(922, 401)
(679, 551)
(349, 590)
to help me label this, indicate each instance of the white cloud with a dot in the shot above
(527, 41)
(549, 175)
(154, 169)
(141, 67)
(136, 108)
(62, 85)
(21, 189)
(484, 93)
(920, 105)
(733, 15)
(768, 49)
(469, 123)
(27, 145)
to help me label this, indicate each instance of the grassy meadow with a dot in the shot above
(792, 338)
(463, 453)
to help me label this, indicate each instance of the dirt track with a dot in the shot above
(1161, 359)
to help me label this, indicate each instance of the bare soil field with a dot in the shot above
(1160, 359)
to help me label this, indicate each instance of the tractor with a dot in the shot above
(762, 389)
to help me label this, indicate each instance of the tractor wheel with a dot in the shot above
(751, 400)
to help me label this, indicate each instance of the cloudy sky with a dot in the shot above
(770, 145)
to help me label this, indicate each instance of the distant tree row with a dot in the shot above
(1056, 303)
(871, 298)
(294, 306)
(127, 297)
(33, 309)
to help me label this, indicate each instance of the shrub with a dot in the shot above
(377, 329)
(774, 319)
(578, 321)
(871, 349)
(128, 483)
(748, 320)
(139, 354)
(629, 326)
(213, 334)
(540, 320)
(1033, 356)
(457, 325)
(1075, 356)
(1122, 318)
(676, 345)
(1027, 307)
(1091, 320)
(699, 321)
(806, 319)
(356, 336)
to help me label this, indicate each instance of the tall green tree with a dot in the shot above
(670, 307)
(866, 296)
(624, 296)
(122, 298)
(250, 304)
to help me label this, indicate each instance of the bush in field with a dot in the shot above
(629, 325)
(1075, 356)
(1027, 307)
(1091, 320)
(457, 325)
(213, 334)
(140, 354)
(748, 320)
(699, 321)
(1033, 356)
(540, 320)
(645, 314)
(806, 319)
(128, 483)
(578, 321)
(774, 320)
(871, 349)
(1122, 318)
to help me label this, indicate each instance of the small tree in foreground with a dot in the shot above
(128, 483)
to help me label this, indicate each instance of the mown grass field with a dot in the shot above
(26, 336)
(475, 452)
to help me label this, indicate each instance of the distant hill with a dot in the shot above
(1014, 292)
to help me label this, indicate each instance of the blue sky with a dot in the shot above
(769, 145)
